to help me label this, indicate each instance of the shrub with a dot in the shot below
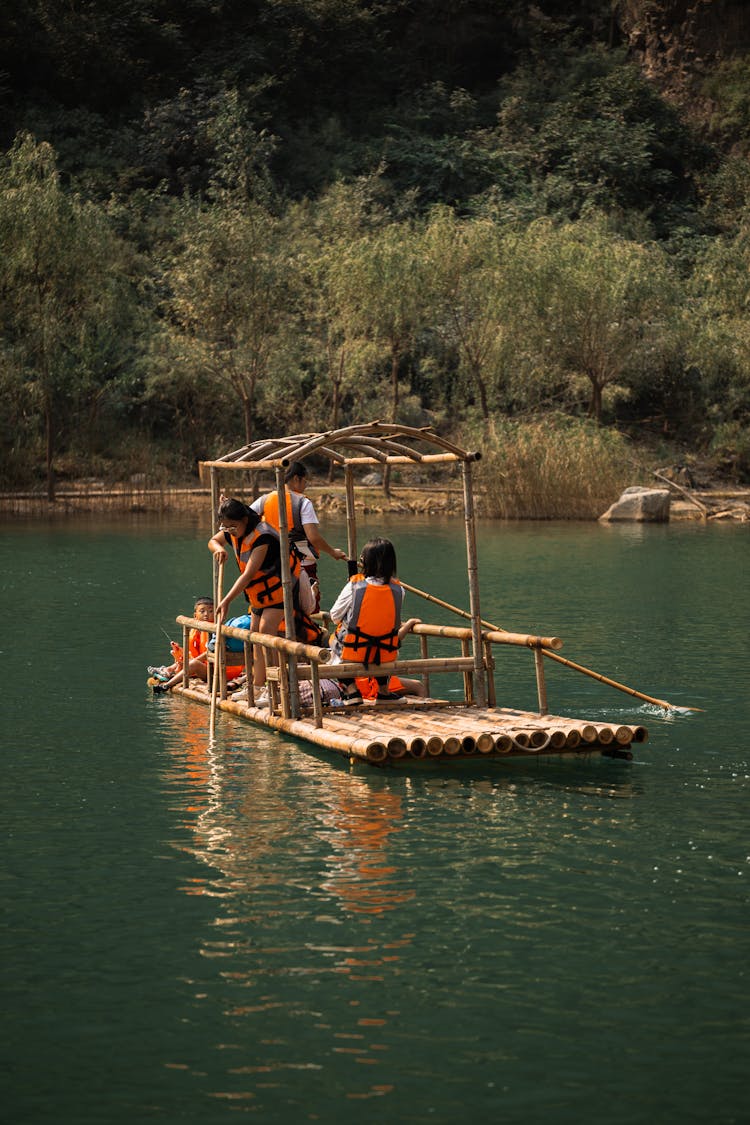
(552, 468)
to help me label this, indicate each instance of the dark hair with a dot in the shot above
(203, 601)
(379, 559)
(235, 510)
(296, 469)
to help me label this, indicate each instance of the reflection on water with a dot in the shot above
(261, 929)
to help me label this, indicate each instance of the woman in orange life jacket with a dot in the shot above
(257, 548)
(369, 630)
(203, 610)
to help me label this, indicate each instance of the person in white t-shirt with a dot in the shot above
(304, 526)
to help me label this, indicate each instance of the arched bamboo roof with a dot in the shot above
(371, 443)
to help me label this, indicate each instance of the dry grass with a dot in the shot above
(553, 468)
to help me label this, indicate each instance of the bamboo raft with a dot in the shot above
(405, 732)
(434, 731)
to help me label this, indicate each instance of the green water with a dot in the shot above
(261, 930)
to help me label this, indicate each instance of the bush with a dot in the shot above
(553, 468)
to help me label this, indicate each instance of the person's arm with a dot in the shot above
(407, 627)
(316, 540)
(342, 605)
(254, 564)
(218, 545)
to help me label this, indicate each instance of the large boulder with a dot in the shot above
(644, 505)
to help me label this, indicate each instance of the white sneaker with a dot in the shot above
(261, 698)
(240, 696)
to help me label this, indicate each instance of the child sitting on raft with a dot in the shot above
(369, 630)
(164, 680)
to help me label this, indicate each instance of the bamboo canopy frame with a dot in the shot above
(368, 444)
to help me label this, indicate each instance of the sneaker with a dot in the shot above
(160, 688)
(261, 698)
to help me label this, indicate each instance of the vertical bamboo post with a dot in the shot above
(351, 523)
(218, 642)
(424, 651)
(215, 493)
(489, 663)
(248, 663)
(541, 686)
(185, 655)
(286, 583)
(480, 689)
(316, 700)
(468, 676)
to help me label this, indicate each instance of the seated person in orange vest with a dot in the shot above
(367, 614)
(302, 521)
(203, 610)
(257, 549)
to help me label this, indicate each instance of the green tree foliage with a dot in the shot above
(231, 283)
(594, 303)
(64, 304)
(315, 211)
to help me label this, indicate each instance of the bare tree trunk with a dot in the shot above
(247, 412)
(49, 450)
(394, 414)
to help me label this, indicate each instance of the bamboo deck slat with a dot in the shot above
(439, 731)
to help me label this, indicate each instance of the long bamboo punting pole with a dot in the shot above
(288, 595)
(561, 659)
(351, 521)
(217, 656)
(480, 684)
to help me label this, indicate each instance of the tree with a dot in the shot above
(469, 261)
(63, 283)
(593, 301)
(230, 302)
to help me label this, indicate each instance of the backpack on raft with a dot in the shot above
(233, 644)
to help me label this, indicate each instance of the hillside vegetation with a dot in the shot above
(525, 225)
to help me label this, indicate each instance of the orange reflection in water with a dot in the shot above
(360, 873)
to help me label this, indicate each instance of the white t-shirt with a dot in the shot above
(307, 514)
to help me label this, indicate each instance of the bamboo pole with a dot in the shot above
(528, 640)
(498, 636)
(351, 519)
(613, 683)
(424, 652)
(541, 687)
(563, 660)
(288, 595)
(480, 688)
(217, 656)
(266, 640)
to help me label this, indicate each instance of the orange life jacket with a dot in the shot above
(266, 589)
(305, 629)
(369, 632)
(197, 641)
(270, 515)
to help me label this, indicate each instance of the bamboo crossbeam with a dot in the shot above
(501, 637)
(431, 664)
(427, 459)
(266, 640)
(424, 629)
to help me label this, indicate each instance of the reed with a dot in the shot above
(552, 468)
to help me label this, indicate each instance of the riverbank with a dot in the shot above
(426, 500)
